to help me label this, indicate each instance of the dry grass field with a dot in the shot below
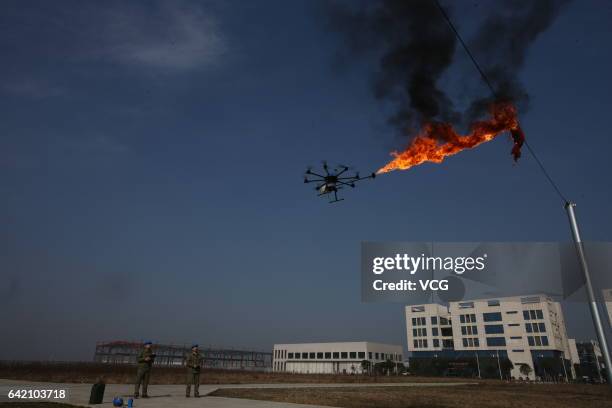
(35, 405)
(484, 395)
(124, 374)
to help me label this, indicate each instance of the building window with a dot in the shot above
(304, 355)
(425, 343)
(492, 317)
(542, 327)
(514, 324)
(516, 337)
(361, 354)
(496, 341)
(493, 303)
(443, 321)
(319, 355)
(353, 354)
(343, 354)
(434, 320)
(414, 321)
(518, 351)
(446, 331)
(423, 321)
(297, 356)
(538, 340)
(467, 318)
(328, 355)
(290, 355)
(414, 333)
(511, 312)
(434, 331)
(418, 308)
(416, 345)
(312, 356)
(494, 329)
(370, 355)
(525, 314)
(470, 342)
(436, 343)
(379, 358)
(539, 314)
(466, 305)
(336, 355)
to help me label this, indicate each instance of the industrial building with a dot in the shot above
(526, 330)
(332, 358)
(591, 362)
(171, 355)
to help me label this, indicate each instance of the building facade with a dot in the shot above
(591, 365)
(527, 330)
(332, 358)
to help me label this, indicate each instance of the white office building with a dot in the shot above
(523, 329)
(332, 358)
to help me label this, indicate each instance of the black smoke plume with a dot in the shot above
(415, 46)
(501, 45)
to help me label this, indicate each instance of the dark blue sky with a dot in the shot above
(151, 161)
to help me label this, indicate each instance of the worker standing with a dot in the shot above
(145, 361)
(194, 365)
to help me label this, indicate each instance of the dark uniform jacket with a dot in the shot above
(194, 362)
(142, 363)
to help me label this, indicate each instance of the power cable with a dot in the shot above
(486, 80)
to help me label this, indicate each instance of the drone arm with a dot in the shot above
(312, 173)
(312, 181)
(345, 184)
(371, 176)
(344, 170)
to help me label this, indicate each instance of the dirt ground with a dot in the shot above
(124, 374)
(34, 405)
(484, 395)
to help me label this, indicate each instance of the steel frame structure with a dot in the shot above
(173, 355)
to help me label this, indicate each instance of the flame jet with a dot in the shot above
(437, 140)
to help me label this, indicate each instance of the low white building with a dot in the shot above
(332, 358)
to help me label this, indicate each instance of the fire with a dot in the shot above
(437, 141)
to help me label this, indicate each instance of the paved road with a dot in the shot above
(174, 395)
